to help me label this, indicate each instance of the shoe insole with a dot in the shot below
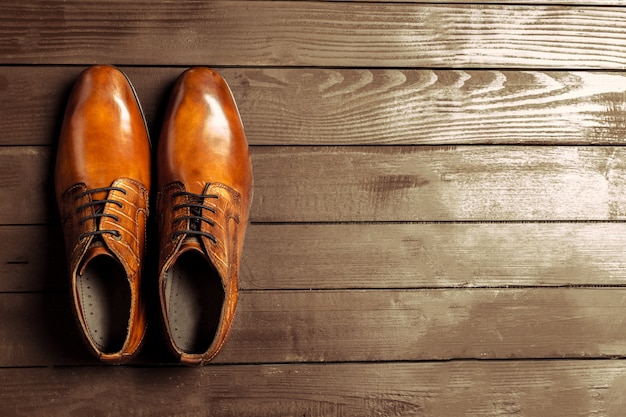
(105, 299)
(194, 299)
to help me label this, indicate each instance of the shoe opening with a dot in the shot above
(194, 298)
(104, 295)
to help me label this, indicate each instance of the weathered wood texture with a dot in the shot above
(359, 326)
(404, 183)
(484, 388)
(302, 33)
(439, 183)
(358, 106)
(406, 224)
(350, 256)
(434, 255)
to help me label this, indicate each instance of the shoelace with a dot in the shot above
(195, 205)
(98, 211)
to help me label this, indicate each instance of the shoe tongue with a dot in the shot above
(97, 248)
(191, 243)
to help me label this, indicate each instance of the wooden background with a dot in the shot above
(439, 218)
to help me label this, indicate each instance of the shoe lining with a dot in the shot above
(194, 296)
(105, 298)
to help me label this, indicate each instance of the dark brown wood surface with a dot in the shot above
(439, 222)
(359, 326)
(376, 256)
(313, 33)
(483, 388)
(360, 106)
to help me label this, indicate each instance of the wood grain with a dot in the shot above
(279, 33)
(484, 388)
(383, 274)
(338, 184)
(294, 256)
(347, 256)
(26, 185)
(357, 106)
(330, 326)
(439, 183)
(354, 326)
(337, 107)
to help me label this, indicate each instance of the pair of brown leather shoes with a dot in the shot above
(102, 182)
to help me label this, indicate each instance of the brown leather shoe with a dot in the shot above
(102, 181)
(205, 191)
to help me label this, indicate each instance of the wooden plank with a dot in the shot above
(39, 329)
(355, 326)
(26, 185)
(31, 258)
(346, 107)
(297, 256)
(333, 184)
(337, 107)
(336, 326)
(484, 388)
(278, 33)
(439, 183)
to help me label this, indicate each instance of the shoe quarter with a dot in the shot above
(167, 224)
(130, 223)
(223, 252)
(75, 207)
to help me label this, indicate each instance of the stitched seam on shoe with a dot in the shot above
(174, 244)
(121, 241)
